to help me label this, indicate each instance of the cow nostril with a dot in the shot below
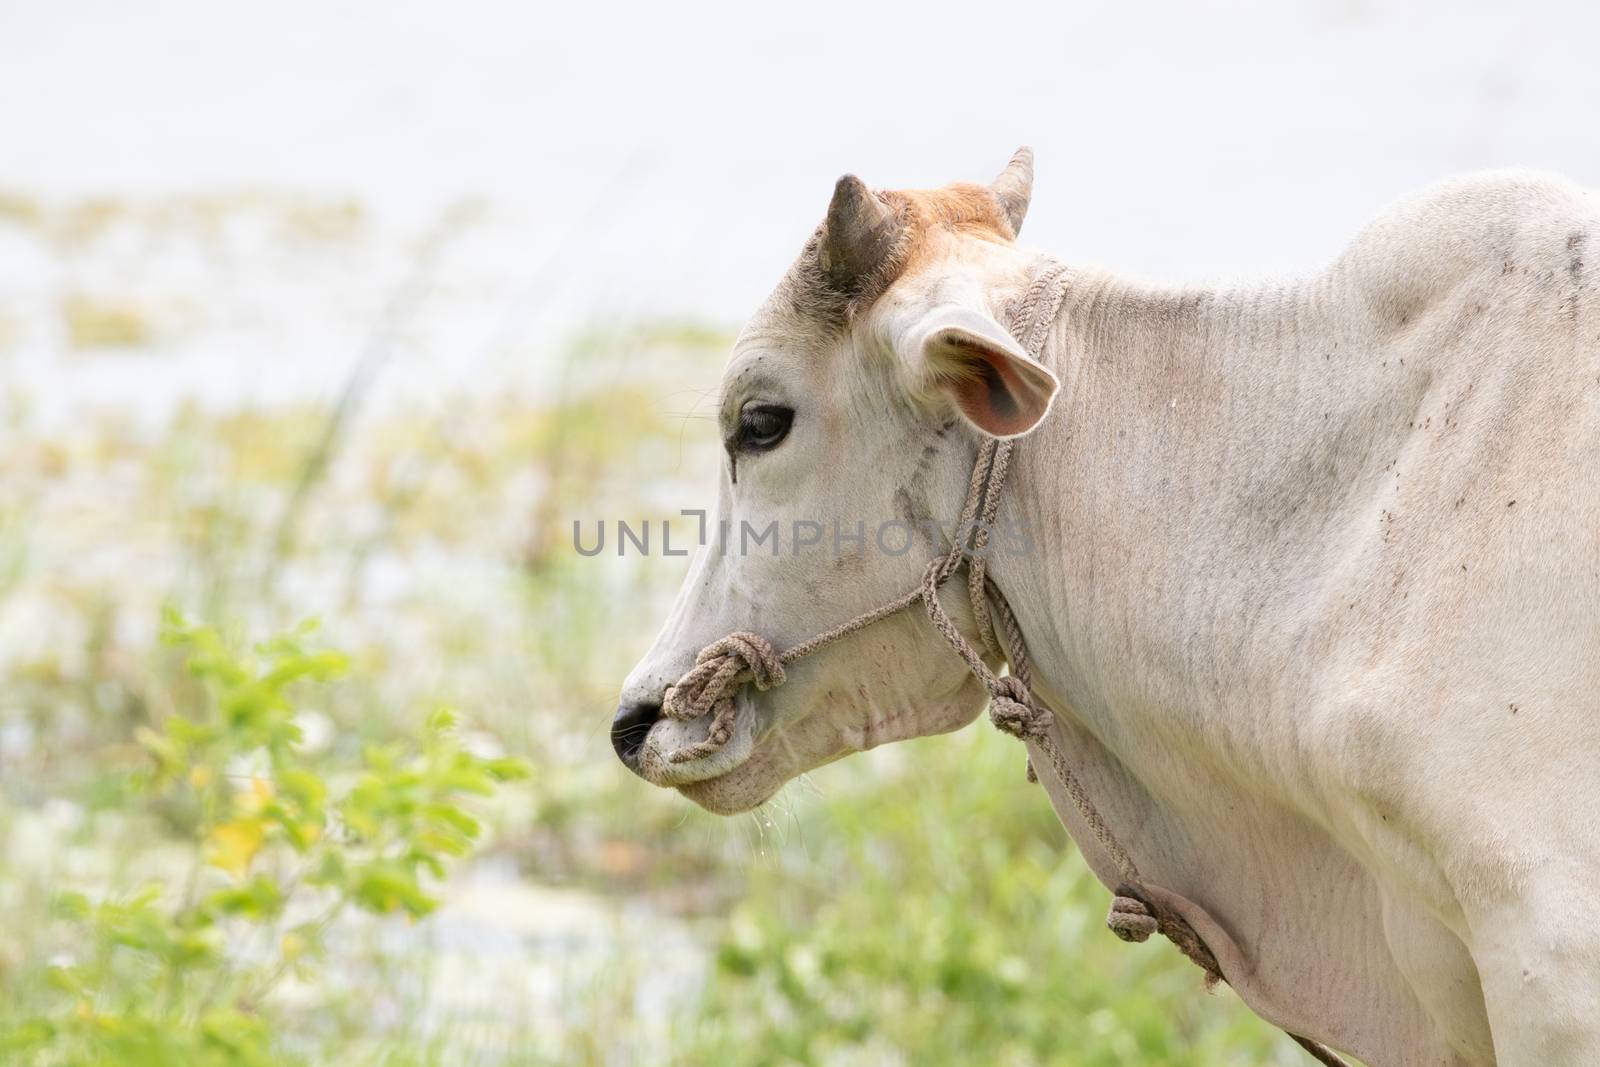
(630, 728)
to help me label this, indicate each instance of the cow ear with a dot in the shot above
(971, 359)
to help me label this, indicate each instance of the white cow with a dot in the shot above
(1313, 590)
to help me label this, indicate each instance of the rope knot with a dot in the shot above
(1012, 710)
(1130, 920)
(754, 653)
(709, 687)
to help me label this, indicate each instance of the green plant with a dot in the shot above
(278, 846)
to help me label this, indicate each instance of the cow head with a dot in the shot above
(850, 413)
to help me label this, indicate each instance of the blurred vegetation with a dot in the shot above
(95, 324)
(220, 857)
(273, 856)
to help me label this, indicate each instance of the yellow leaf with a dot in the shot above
(200, 776)
(253, 795)
(234, 845)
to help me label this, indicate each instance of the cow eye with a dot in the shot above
(763, 427)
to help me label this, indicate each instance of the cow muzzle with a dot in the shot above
(651, 744)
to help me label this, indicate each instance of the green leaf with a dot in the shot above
(507, 769)
(259, 898)
(26, 1035)
(71, 906)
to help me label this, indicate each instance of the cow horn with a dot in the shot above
(858, 235)
(1014, 187)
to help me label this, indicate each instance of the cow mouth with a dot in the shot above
(735, 791)
(757, 758)
(743, 774)
(669, 736)
(747, 771)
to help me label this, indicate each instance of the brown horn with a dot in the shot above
(1014, 188)
(858, 235)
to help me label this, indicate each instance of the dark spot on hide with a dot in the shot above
(913, 511)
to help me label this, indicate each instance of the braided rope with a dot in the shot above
(721, 668)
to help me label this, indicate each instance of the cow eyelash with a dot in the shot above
(762, 427)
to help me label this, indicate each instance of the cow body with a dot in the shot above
(1320, 596)
(1313, 594)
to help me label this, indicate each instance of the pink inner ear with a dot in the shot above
(991, 393)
